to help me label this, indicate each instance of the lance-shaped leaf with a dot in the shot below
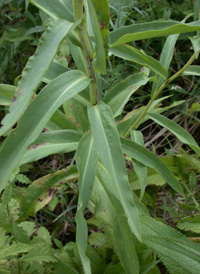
(178, 131)
(150, 30)
(59, 9)
(99, 15)
(87, 160)
(55, 69)
(113, 214)
(148, 159)
(178, 253)
(119, 95)
(6, 94)
(192, 70)
(140, 169)
(31, 200)
(134, 55)
(35, 118)
(34, 71)
(108, 146)
(61, 141)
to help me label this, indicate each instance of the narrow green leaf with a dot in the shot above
(148, 159)
(59, 9)
(178, 131)
(192, 70)
(140, 169)
(179, 254)
(99, 15)
(123, 237)
(30, 202)
(87, 160)
(134, 55)
(196, 45)
(107, 143)
(119, 95)
(36, 117)
(6, 94)
(77, 113)
(61, 141)
(150, 30)
(34, 71)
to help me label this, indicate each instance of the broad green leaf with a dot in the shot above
(178, 131)
(87, 160)
(107, 143)
(34, 71)
(148, 159)
(77, 113)
(6, 94)
(140, 169)
(56, 142)
(36, 117)
(99, 15)
(30, 202)
(119, 95)
(179, 254)
(134, 55)
(59, 9)
(192, 70)
(150, 30)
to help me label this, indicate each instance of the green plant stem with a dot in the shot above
(157, 92)
(87, 49)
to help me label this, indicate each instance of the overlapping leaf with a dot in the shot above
(107, 143)
(34, 71)
(150, 30)
(148, 159)
(35, 118)
(87, 163)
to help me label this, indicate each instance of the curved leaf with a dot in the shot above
(134, 55)
(48, 143)
(119, 95)
(87, 160)
(150, 30)
(99, 15)
(178, 131)
(59, 9)
(192, 70)
(34, 71)
(35, 118)
(148, 159)
(108, 147)
(30, 202)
